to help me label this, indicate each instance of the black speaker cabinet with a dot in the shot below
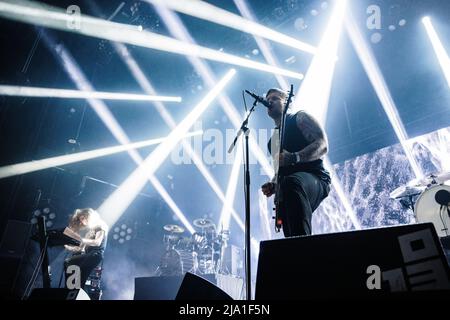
(15, 238)
(9, 267)
(160, 288)
(194, 287)
(379, 262)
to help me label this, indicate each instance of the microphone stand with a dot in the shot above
(244, 129)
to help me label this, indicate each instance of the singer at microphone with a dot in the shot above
(259, 99)
(305, 181)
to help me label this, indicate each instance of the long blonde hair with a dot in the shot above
(94, 220)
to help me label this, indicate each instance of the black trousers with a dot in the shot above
(302, 193)
(87, 262)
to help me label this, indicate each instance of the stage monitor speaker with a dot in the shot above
(15, 238)
(382, 262)
(160, 288)
(194, 287)
(8, 278)
(157, 288)
(58, 294)
(13, 246)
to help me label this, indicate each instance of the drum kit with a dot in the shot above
(201, 253)
(429, 199)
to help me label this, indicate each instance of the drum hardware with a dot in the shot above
(172, 238)
(429, 209)
(202, 253)
(406, 195)
(429, 199)
(430, 180)
(223, 238)
(173, 228)
(442, 197)
(206, 249)
(203, 223)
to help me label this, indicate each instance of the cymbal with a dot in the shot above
(203, 223)
(173, 228)
(442, 177)
(436, 178)
(406, 191)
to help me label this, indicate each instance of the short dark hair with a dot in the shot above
(277, 90)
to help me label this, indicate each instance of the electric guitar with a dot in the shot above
(279, 176)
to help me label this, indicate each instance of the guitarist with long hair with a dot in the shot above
(304, 181)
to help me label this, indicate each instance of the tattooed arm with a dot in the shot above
(317, 147)
(314, 133)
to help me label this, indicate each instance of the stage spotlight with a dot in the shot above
(53, 17)
(46, 210)
(118, 202)
(36, 165)
(123, 233)
(373, 71)
(76, 94)
(438, 47)
(208, 12)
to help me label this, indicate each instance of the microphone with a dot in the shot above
(259, 99)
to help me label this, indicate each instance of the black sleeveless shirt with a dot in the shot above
(294, 141)
(101, 248)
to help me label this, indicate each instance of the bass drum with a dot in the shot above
(427, 209)
(171, 264)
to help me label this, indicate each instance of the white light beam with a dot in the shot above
(100, 108)
(439, 49)
(38, 92)
(376, 78)
(208, 12)
(37, 14)
(225, 215)
(315, 90)
(262, 44)
(119, 200)
(145, 84)
(179, 31)
(36, 165)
